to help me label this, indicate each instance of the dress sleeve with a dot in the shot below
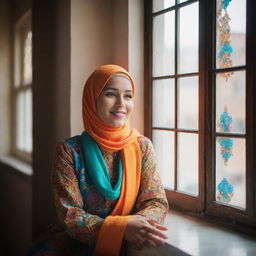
(151, 201)
(68, 200)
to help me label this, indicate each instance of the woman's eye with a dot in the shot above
(129, 96)
(110, 94)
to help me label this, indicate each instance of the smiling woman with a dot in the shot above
(106, 185)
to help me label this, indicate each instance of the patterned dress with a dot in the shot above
(81, 208)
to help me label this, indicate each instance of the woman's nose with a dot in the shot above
(120, 100)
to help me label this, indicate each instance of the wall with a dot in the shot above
(136, 59)
(106, 32)
(16, 211)
(51, 99)
(91, 33)
(5, 75)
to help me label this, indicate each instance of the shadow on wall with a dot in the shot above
(15, 214)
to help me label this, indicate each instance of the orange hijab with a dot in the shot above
(112, 139)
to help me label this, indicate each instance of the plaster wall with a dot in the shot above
(5, 75)
(51, 100)
(91, 38)
(104, 32)
(136, 59)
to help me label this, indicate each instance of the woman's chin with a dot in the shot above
(117, 123)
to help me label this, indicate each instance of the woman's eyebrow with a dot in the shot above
(115, 89)
(109, 88)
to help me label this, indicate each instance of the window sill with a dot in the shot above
(17, 165)
(192, 236)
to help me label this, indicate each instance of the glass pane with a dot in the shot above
(187, 180)
(231, 33)
(20, 114)
(230, 103)
(27, 71)
(28, 121)
(188, 102)
(163, 103)
(163, 44)
(17, 60)
(188, 39)
(182, 1)
(230, 171)
(159, 5)
(24, 121)
(164, 146)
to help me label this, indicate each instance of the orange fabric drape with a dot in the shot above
(112, 139)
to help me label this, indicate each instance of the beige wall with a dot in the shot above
(51, 100)
(91, 32)
(103, 32)
(5, 75)
(120, 35)
(136, 59)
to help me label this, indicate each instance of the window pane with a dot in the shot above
(163, 44)
(230, 103)
(188, 39)
(164, 146)
(230, 171)
(182, 1)
(24, 121)
(163, 103)
(231, 33)
(188, 102)
(17, 60)
(28, 121)
(20, 114)
(159, 5)
(27, 75)
(188, 163)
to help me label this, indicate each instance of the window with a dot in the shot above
(22, 89)
(200, 72)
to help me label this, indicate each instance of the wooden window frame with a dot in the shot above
(205, 204)
(21, 28)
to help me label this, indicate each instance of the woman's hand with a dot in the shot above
(141, 232)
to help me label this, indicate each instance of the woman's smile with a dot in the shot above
(118, 114)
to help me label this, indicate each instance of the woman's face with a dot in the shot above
(115, 103)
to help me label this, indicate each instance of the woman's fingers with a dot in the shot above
(156, 239)
(159, 226)
(155, 231)
(141, 232)
(149, 243)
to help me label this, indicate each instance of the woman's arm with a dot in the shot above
(68, 200)
(144, 229)
(151, 201)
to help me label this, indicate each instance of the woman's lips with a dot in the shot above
(118, 114)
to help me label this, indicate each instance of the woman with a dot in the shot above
(107, 190)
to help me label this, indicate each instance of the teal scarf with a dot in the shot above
(97, 168)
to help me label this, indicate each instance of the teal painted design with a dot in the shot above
(225, 4)
(226, 191)
(225, 121)
(226, 144)
(223, 27)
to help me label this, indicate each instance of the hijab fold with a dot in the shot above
(111, 139)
